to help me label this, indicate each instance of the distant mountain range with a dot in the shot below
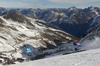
(72, 20)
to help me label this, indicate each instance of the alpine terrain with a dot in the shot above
(73, 20)
(52, 35)
(18, 31)
(90, 42)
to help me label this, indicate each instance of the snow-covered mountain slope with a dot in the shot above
(94, 31)
(85, 58)
(17, 30)
(73, 20)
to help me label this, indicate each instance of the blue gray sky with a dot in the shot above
(48, 3)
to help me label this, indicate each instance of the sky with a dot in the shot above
(48, 3)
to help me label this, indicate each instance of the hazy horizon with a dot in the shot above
(42, 4)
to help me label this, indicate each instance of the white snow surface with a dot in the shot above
(85, 58)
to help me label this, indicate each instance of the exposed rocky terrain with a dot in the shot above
(72, 20)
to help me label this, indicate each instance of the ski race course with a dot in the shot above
(84, 58)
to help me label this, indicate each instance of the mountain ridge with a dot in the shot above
(65, 18)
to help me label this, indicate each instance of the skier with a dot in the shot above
(77, 46)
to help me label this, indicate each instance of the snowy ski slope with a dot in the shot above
(85, 58)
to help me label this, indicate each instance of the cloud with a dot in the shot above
(72, 1)
(22, 5)
(95, 4)
(44, 4)
(16, 5)
(29, 0)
